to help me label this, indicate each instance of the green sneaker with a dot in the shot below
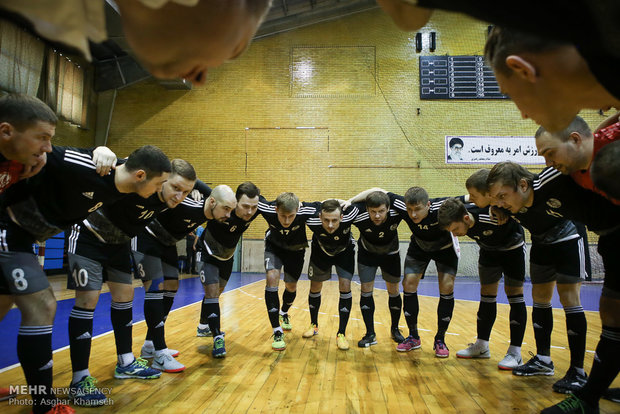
(285, 322)
(85, 392)
(219, 351)
(571, 405)
(278, 341)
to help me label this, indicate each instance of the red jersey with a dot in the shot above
(9, 173)
(601, 138)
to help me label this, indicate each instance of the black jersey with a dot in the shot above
(489, 234)
(559, 195)
(173, 224)
(291, 238)
(119, 222)
(338, 241)
(381, 239)
(427, 233)
(66, 191)
(220, 238)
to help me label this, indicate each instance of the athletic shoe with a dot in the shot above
(343, 343)
(510, 361)
(368, 340)
(85, 392)
(612, 394)
(219, 351)
(408, 344)
(312, 330)
(165, 362)
(441, 349)
(137, 369)
(474, 351)
(571, 382)
(148, 352)
(203, 332)
(571, 405)
(61, 409)
(534, 367)
(278, 341)
(397, 336)
(285, 322)
(5, 394)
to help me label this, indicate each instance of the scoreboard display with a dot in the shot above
(457, 77)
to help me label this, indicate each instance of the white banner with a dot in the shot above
(491, 150)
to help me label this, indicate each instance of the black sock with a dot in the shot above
(273, 305)
(344, 310)
(411, 307)
(605, 367)
(445, 308)
(396, 305)
(80, 337)
(203, 313)
(154, 316)
(34, 350)
(542, 321)
(518, 319)
(314, 304)
(576, 329)
(168, 301)
(212, 308)
(487, 312)
(287, 300)
(121, 314)
(367, 305)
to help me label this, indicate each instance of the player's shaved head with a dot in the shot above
(223, 194)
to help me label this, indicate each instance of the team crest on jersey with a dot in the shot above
(393, 227)
(5, 179)
(554, 203)
(336, 238)
(487, 232)
(295, 228)
(233, 228)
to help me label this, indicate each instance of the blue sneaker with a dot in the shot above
(219, 351)
(85, 392)
(137, 369)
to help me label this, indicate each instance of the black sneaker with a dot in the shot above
(571, 382)
(534, 367)
(397, 336)
(571, 405)
(612, 394)
(367, 340)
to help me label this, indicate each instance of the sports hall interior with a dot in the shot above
(324, 111)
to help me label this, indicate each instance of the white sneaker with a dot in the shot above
(148, 352)
(165, 362)
(510, 361)
(474, 351)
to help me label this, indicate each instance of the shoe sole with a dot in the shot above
(287, 329)
(309, 336)
(123, 376)
(170, 371)
(474, 357)
(367, 345)
(219, 355)
(505, 367)
(410, 349)
(278, 349)
(532, 375)
(442, 356)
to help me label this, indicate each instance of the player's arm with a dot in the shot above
(405, 13)
(362, 196)
(200, 191)
(609, 121)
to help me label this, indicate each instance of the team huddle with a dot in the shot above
(123, 217)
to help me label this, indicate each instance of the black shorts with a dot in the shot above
(608, 249)
(149, 245)
(417, 260)
(320, 268)
(367, 264)
(492, 264)
(215, 271)
(563, 262)
(291, 260)
(91, 262)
